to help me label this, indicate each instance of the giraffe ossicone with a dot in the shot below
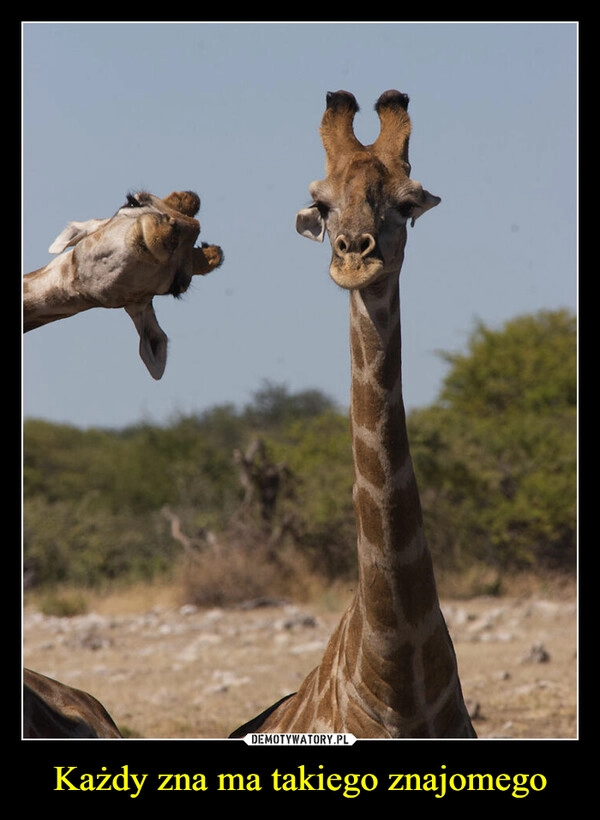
(146, 249)
(389, 669)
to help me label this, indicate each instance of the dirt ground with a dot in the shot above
(165, 671)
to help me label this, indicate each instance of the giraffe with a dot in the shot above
(53, 710)
(389, 670)
(145, 249)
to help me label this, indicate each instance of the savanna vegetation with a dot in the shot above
(237, 503)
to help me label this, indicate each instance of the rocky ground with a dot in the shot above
(165, 671)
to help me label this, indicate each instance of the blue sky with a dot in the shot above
(232, 111)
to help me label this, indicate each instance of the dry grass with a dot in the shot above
(226, 580)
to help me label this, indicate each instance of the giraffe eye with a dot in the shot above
(405, 209)
(322, 208)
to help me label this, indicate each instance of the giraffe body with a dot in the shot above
(53, 710)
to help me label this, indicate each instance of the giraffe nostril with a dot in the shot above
(341, 244)
(362, 244)
(367, 244)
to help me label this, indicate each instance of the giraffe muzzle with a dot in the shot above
(354, 271)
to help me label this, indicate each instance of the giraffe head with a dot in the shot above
(367, 196)
(146, 232)
(145, 249)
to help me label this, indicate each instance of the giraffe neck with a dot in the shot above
(389, 669)
(392, 551)
(49, 293)
(395, 628)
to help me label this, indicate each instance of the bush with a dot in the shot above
(496, 456)
(75, 544)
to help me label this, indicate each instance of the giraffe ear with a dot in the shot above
(153, 340)
(74, 233)
(310, 223)
(427, 202)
